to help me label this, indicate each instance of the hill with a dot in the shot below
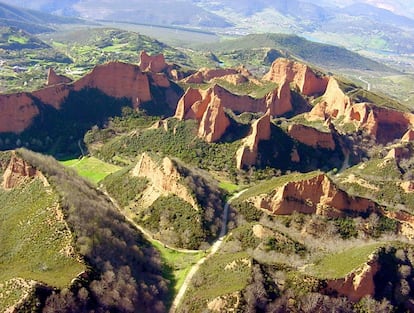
(323, 55)
(324, 167)
(31, 21)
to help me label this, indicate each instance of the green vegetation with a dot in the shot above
(36, 244)
(91, 168)
(219, 275)
(124, 187)
(118, 255)
(175, 221)
(270, 185)
(176, 266)
(180, 141)
(327, 56)
(229, 187)
(338, 265)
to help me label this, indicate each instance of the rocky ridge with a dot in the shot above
(315, 195)
(164, 179)
(115, 79)
(19, 171)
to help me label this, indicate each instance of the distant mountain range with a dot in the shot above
(382, 26)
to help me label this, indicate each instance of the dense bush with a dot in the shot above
(124, 187)
(125, 273)
(174, 221)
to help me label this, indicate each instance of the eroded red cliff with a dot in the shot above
(246, 155)
(18, 171)
(315, 195)
(300, 75)
(164, 178)
(357, 284)
(311, 136)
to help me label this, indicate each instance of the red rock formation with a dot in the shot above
(279, 101)
(214, 122)
(398, 154)
(284, 70)
(382, 123)
(53, 95)
(19, 171)
(247, 154)
(55, 79)
(311, 136)
(164, 177)
(187, 102)
(206, 75)
(154, 63)
(333, 104)
(16, 112)
(294, 156)
(117, 79)
(356, 285)
(314, 195)
(408, 136)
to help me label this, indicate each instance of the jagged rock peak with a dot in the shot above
(54, 79)
(247, 154)
(154, 63)
(302, 76)
(214, 121)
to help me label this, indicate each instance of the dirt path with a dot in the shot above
(214, 248)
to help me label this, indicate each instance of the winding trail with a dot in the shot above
(366, 82)
(214, 248)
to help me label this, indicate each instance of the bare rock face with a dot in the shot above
(316, 195)
(16, 112)
(311, 136)
(382, 123)
(155, 63)
(246, 155)
(407, 186)
(55, 79)
(231, 75)
(187, 106)
(408, 136)
(398, 153)
(208, 105)
(18, 171)
(279, 101)
(357, 284)
(117, 79)
(333, 104)
(164, 177)
(214, 121)
(284, 70)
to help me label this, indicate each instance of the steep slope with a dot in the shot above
(180, 206)
(116, 254)
(27, 115)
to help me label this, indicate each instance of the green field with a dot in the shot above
(176, 265)
(338, 265)
(91, 168)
